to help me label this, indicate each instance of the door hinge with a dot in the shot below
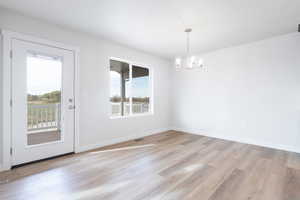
(11, 53)
(11, 103)
(11, 151)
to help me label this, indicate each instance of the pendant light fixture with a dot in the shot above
(189, 61)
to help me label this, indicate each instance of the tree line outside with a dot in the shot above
(47, 98)
(55, 97)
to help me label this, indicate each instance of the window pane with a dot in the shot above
(119, 87)
(44, 75)
(140, 90)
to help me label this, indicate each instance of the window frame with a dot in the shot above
(151, 107)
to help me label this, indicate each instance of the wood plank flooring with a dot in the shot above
(169, 166)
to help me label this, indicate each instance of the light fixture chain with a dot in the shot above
(188, 43)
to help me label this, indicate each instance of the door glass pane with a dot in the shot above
(119, 88)
(44, 76)
(140, 90)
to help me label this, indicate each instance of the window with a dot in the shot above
(130, 89)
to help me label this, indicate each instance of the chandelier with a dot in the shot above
(189, 61)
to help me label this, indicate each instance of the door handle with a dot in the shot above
(71, 107)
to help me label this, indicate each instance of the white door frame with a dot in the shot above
(6, 50)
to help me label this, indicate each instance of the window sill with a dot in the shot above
(131, 116)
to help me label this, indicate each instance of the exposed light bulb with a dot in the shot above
(177, 63)
(200, 62)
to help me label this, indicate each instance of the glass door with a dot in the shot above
(43, 105)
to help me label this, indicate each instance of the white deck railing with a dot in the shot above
(41, 117)
(136, 108)
(47, 116)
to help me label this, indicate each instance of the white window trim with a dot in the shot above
(151, 101)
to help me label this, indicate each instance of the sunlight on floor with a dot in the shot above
(124, 148)
(193, 167)
(97, 191)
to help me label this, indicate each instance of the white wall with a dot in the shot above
(251, 93)
(96, 128)
(1, 139)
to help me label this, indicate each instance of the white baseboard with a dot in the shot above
(241, 140)
(2, 168)
(121, 139)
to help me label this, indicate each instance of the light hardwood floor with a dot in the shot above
(171, 165)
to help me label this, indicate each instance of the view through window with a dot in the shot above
(44, 75)
(130, 89)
